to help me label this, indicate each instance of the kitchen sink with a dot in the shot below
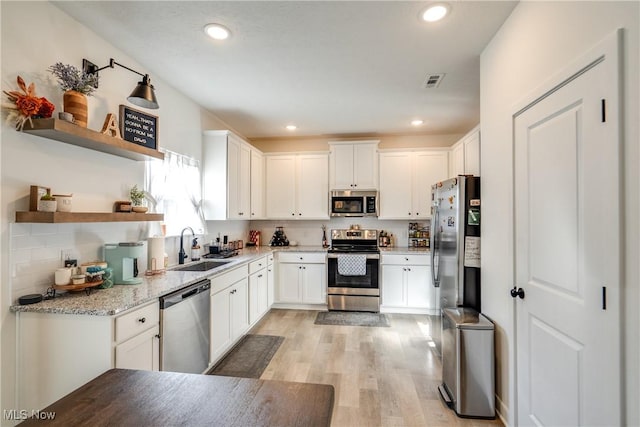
(202, 266)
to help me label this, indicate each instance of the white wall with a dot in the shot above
(34, 36)
(537, 41)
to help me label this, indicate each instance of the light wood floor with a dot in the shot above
(382, 376)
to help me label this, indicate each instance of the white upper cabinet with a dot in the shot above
(297, 186)
(227, 176)
(465, 154)
(353, 165)
(257, 184)
(405, 182)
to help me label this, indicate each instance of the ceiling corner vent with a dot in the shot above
(433, 80)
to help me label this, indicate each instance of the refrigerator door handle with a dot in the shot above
(434, 247)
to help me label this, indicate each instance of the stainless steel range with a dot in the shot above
(353, 271)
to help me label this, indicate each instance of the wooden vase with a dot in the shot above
(76, 104)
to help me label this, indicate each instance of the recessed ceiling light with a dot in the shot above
(291, 127)
(435, 12)
(217, 31)
(417, 122)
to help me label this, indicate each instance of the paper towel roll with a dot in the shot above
(155, 260)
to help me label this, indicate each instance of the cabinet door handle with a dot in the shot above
(142, 319)
(259, 275)
(157, 336)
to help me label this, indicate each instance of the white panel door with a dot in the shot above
(567, 254)
(395, 186)
(420, 290)
(140, 352)
(314, 283)
(428, 168)
(472, 154)
(365, 166)
(233, 180)
(239, 308)
(257, 185)
(394, 285)
(280, 193)
(313, 187)
(244, 180)
(457, 160)
(342, 166)
(220, 318)
(289, 282)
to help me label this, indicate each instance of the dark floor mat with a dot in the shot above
(351, 318)
(249, 358)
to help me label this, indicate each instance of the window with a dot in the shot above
(175, 186)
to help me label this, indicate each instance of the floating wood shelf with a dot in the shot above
(59, 217)
(64, 131)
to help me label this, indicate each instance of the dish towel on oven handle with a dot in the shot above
(352, 265)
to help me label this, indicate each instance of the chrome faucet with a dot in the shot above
(182, 254)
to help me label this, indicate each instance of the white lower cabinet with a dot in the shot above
(60, 352)
(258, 290)
(302, 278)
(407, 285)
(140, 352)
(270, 280)
(137, 337)
(229, 310)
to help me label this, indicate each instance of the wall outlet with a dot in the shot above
(66, 254)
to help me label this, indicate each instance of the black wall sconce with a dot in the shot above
(143, 95)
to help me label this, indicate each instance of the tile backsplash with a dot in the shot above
(36, 250)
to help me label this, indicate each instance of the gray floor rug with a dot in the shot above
(351, 318)
(249, 358)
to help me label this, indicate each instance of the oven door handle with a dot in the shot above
(369, 256)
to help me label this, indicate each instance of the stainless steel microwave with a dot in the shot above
(354, 203)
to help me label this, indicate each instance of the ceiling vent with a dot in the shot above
(433, 80)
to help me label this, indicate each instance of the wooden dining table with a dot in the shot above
(121, 397)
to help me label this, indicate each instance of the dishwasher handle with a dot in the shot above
(185, 293)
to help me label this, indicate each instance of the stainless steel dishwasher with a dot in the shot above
(184, 329)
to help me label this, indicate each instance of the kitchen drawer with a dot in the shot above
(136, 321)
(303, 257)
(257, 265)
(270, 259)
(227, 279)
(400, 259)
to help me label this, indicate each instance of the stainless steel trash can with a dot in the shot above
(468, 367)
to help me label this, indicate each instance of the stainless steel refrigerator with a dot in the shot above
(455, 244)
(465, 337)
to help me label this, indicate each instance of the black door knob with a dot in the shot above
(517, 292)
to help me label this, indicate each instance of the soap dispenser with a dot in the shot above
(195, 250)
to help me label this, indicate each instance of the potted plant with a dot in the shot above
(47, 203)
(77, 85)
(137, 197)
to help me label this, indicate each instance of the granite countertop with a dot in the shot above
(405, 250)
(119, 298)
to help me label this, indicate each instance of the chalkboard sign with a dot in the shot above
(138, 127)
